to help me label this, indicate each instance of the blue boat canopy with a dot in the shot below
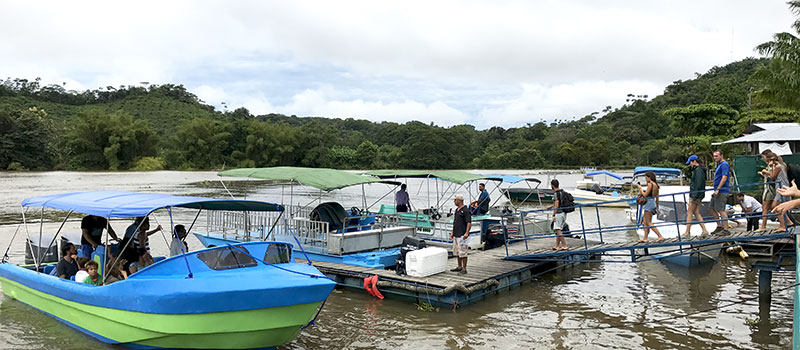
(639, 170)
(123, 204)
(604, 172)
(510, 178)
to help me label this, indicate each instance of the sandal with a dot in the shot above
(643, 241)
(564, 248)
(659, 239)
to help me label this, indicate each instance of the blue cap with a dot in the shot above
(691, 158)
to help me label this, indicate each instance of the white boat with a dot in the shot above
(590, 191)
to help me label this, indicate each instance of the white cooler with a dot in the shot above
(426, 261)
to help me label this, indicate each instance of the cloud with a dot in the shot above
(485, 62)
(564, 101)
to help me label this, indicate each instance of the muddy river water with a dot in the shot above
(600, 305)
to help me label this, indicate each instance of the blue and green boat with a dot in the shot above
(237, 296)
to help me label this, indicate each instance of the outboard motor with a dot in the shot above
(597, 189)
(410, 243)
(40, 250)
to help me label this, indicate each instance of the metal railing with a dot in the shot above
(592, 226)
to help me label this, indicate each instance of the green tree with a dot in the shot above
(26, 139)
(202, 144)
(109, 141)
(779, 83)
(367, 155)
(704, 119)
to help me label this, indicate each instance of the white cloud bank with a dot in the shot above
(536, 60)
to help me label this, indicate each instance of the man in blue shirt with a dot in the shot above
(483, 200)
(722, 190)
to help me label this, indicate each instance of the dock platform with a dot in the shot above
(488, 272)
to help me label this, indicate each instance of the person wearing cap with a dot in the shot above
(462, 223)
(697, 191)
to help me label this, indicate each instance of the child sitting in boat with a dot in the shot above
(115, 272)
(94, 277)
(82, 273)
(145, 260)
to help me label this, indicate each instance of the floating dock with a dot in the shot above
(488, 273)
(492, 271)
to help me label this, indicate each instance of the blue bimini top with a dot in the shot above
(659, 171)
(123, 204)
(604, 172)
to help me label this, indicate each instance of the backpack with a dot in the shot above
(793, 173)
(566, 201)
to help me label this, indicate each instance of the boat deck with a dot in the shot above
(488, 272)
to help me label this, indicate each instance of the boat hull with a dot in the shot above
(588, 197)
(222, 330)
(529, 195)
(211, 298)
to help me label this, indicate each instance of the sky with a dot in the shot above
(484, 63)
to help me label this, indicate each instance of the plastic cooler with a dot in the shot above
(426, 261)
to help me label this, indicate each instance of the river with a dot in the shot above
(599, 305)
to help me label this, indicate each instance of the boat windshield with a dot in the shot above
(226, 258)
(278, 253)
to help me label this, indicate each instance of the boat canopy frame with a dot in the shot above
(124, 204)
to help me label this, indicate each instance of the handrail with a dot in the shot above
(600, 229)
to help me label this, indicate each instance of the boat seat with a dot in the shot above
(387, 209)
(413, 219)
(99, 257)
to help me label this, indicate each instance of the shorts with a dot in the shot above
(696, 201)
(769, 193)
(561, 219)
(460, 246)
(719, 201)
(650, 205)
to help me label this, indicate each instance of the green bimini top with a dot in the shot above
(455, 176)
(319, 178)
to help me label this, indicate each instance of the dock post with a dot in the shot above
(764, 286)
(599, 225)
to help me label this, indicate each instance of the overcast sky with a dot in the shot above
(486, 63)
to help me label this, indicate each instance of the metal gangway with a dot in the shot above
(591, 233)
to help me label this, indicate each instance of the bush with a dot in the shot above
(149, 164)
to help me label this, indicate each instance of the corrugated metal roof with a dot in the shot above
(787, 132)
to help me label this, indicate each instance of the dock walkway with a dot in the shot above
(638, 250)
(488, 272)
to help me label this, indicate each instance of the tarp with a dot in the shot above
(774, 134)
(455, 176)
(512, 178)
(604, 172)
(659, 171)
(319, 178)
(780, 149)
(123, 204)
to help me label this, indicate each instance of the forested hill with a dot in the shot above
(167, 127)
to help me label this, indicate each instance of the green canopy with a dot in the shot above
(455, 176)
(319, 178)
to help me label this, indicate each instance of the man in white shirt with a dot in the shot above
(178, 240)
(751, 207)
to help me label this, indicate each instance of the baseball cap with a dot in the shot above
(691, 158)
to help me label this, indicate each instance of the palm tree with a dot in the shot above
(779, 80)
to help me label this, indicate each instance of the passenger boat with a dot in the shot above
(589, 191)
(530, 194)
(238, 296)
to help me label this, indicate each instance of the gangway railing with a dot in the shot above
(597, 229)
